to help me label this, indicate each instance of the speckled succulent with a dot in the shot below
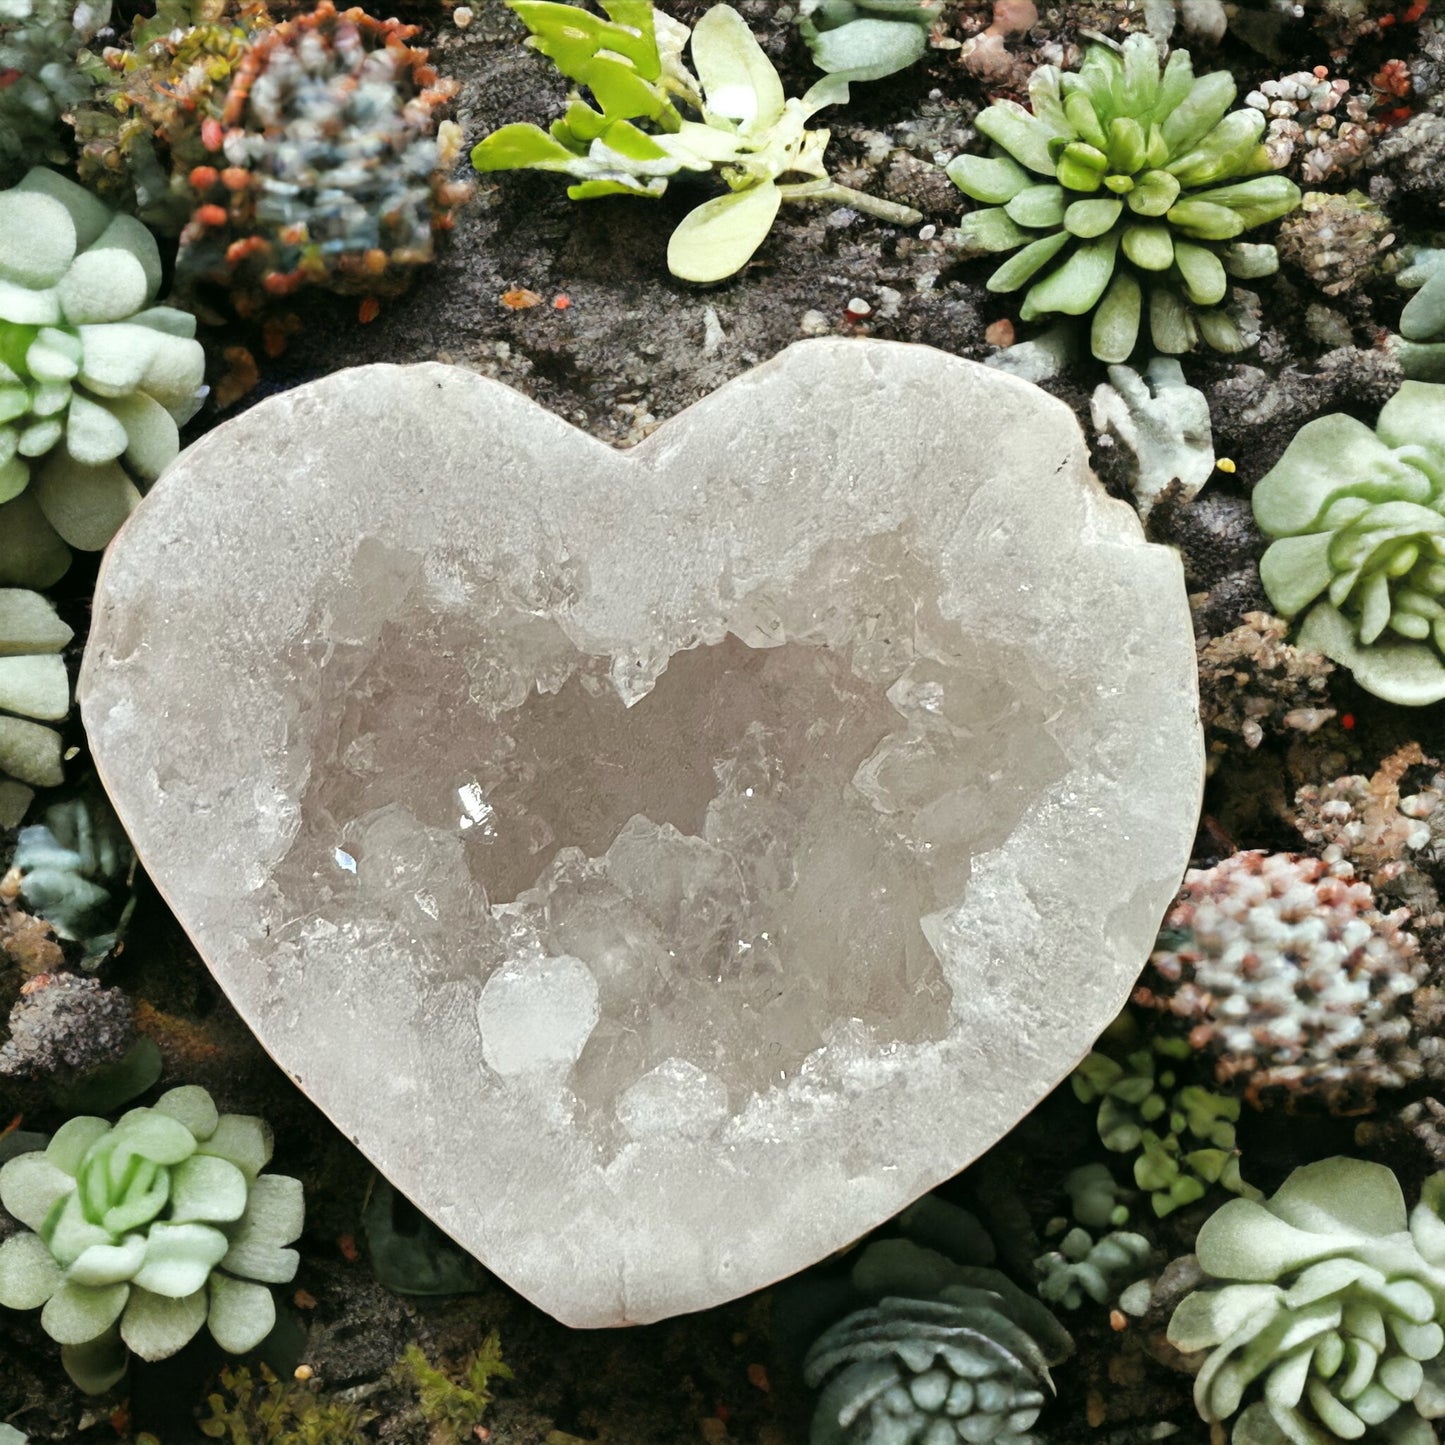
(1285, 972)
(145, 1230)
(34, 692)
(1358, 518)
(94, 377)
(1327, 1313)
(1122, 186)
(1182, 1134)
(327, 165)
(42, 74)
(140, 133)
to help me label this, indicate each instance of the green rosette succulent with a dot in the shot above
(94, 378)
(1358, 518)
(1328, 1311)
(1124, 183)
(145, 1230)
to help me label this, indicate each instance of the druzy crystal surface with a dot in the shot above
(665, 864)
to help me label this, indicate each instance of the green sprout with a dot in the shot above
(1358, 521)
(636, 137)
(1324, 1311)
(139, 1233)
(1124, 183)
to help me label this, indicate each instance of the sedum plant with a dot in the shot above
(140, 1232)
(1358, 521)
(1327, 1311)
(94, 378)
(636, 136)
(1125, 185)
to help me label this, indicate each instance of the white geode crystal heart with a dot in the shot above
(664, 864)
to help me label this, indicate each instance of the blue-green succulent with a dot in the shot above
(138, 1233)
(1122, 191)
(1358, 557)
(1324, 1320)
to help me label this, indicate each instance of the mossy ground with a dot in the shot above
(614, 345)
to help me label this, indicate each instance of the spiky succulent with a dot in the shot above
(1358, 521)
(1124, 184)
(94, 377)
(1327, 1311)
(34, 692)
(139, 1233)
(327, 164)
(42, 74)
(1289, 977)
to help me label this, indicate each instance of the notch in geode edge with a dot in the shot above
(1048, 935)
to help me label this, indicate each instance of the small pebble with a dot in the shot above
(462, 16)
(858, 308)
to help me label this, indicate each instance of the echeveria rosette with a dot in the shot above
(94, 378)
(1328, 1311)
(1358, 518)
(1126, 182)
(145, 1230)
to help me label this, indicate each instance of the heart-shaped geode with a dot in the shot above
(664, 864)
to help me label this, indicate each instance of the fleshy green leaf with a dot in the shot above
(156, 1326)
(1024, 265)
(179, 1258)
(718, 239)
(244, 1139)
(75, 1314)
(241, 1314)
(208, 1190)
(1074, 287)
(738, 79)
(1115, 329)
(29, 1274)
(994, 181)
(1022, 135)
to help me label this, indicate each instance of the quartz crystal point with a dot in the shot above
(665, 864)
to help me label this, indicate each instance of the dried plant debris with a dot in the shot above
(1337, 241)
(65, 1023)
(1254, 684)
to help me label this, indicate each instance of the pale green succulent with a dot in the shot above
(34, 693)
(1083, 1267)
(867, 39)
(145, 1230)
(1327, 1315)
(94, 378)
(1123, 184)
(636, 136)
(1358, 518)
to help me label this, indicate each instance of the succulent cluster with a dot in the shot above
(1082, 1267)
(1288, 975)
(867, 39)
(328, 163)
(1316, 121)
(1122, 184)
(747, 131)
(42, 75)
(1327, 1312)
(34, 693)
(1338, 241)
(139, 1233)
(1423, 319)
(95, 378)
(1358, 522)
(1182, 1133)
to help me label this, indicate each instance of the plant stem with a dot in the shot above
(830, 190)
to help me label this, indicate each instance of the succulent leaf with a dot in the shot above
(1143, 177)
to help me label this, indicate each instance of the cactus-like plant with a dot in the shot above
(1358, 521)
(1327, 1310)
(139, 1233)
(94, 377)
(1124, 184)
(34, 692)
